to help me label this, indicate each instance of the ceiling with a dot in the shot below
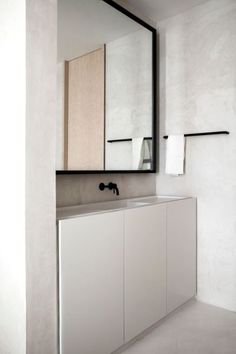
(86, 25)
(158, 10)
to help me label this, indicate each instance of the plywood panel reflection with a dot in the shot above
(84, 112)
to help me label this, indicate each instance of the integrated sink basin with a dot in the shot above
(92, 208)
(66, 212)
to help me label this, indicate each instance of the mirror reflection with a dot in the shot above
(105, 91)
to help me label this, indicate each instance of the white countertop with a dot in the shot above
(103, 207)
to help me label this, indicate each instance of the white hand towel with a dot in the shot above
(137, 144)
(175, 155)
(146, 155)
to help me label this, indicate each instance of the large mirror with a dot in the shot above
(106, 89)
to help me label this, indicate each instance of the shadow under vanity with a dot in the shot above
(123, 266)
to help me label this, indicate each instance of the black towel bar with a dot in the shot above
(129, 139)
(202, 134)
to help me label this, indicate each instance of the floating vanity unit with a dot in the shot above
(123, 266)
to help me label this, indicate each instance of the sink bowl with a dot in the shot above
(156, 199)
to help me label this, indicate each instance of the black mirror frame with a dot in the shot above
(154, 100)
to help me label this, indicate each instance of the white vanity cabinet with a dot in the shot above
(91, 284)
(181, 252)
(145, 268)
(121, 271)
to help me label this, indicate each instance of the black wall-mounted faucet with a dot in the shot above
(111, 186)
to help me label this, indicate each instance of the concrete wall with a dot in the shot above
(198, 93)
(12, 178)
(40, 179)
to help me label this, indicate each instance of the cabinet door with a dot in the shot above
(181, 252)
(91, 284)
(145, 268)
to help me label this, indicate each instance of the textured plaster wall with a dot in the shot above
(198, 93)
(12, 177)
(41, 268)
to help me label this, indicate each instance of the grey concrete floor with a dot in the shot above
(196, 328)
